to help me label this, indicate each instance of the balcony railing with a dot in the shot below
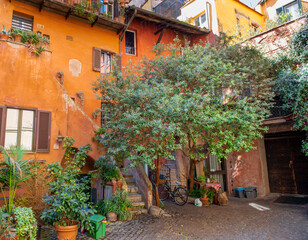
(97, 7)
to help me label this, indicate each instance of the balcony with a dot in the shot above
(91, 12)
(278, 110)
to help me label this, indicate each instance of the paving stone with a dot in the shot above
(237, 221)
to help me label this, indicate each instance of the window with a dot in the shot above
(25, 127)
(102, 60)
(199, 21)
(22, 22)
(130, 42)
(106, 9)
(291, 8)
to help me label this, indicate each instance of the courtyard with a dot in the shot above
(265, 219)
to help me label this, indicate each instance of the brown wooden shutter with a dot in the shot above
(97, 59)
(118, 61)
(2, 130)
(43, 131)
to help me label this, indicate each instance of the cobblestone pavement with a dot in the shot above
(237, 221)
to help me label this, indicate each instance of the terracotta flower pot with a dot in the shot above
(205, 201)
(4, 36)
(67, 232)
(111, 217)
(17, 38)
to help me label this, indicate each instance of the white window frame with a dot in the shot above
(19, 127)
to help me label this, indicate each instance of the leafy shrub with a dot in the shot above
(118, 204)
(107, 170)
(197, 193)
(67, 201)
(25, 223)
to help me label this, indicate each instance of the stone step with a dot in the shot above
(134, 197)
(127, 172)
(138, 204)
(171, 161)
(131, 182)
(128, 177)
(171, 166)
(139, 211)
(132, 189)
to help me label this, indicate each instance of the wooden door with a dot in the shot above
(287, 165)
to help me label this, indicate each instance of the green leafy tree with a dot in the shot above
(199, 99)
(292, 81)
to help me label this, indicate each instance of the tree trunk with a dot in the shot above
(191, 174)
(158, 167)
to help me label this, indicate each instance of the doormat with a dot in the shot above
(292, 200)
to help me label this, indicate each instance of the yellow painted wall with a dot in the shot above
(226, 14)
(148, 5)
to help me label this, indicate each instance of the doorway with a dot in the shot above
(287, 165)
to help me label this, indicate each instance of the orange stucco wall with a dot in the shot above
(26, 81)
(30, 80)
(80, 48)
(146, 40)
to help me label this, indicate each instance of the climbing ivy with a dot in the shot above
(292, 81)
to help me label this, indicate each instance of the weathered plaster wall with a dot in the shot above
(146, 40)
(27, 80)
(276, 40)
(244, 169)
(71, 41)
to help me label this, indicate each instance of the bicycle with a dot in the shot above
(178, 194)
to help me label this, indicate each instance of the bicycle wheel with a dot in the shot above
(163, 192)
(180, 196)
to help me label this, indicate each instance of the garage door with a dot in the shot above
(287, 165)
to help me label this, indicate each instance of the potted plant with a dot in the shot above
(118, 207)
(205, 201)
(67, 200)
(16, 34)
(201, 178)
(109, 174)
(4, 34)
(122, 3)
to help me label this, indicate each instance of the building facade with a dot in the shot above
(230, 16)
(272, 8)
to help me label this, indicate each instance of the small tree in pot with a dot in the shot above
(67, 203)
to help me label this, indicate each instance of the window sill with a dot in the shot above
(135, 55)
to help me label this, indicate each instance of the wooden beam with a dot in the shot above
(41, 5)
(161, 35)
(68, 13)
(95, 21)
(129, 22)
(159, 30)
